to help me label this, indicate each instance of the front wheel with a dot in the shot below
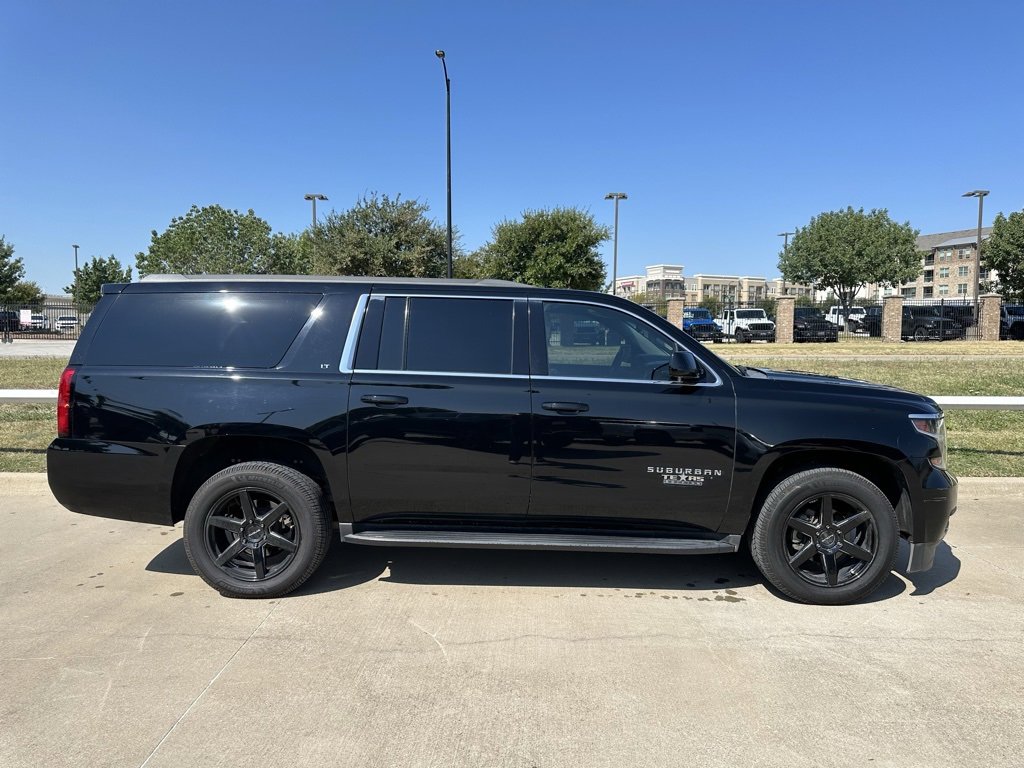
(256, 530)
(920, 334)
(825, 536)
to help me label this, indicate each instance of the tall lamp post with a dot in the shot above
(313, 197)
(785, 249)
(75, 291)
(980, 194)
(616, 196)
(448, 131)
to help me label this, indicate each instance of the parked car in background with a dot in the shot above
(699, 323)
(1011, 322)
(10, 320)
(746, 325)
(871, 323)
(66, 324)
(809, 324)
(960, 313)
(40, 322)
(852, 318)
(924, 323)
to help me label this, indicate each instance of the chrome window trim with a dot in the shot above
(442, 373)
(716, 383)
(359, 314)
(348, 352)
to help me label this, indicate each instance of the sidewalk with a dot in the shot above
(41, 348)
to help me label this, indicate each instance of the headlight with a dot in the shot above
(933, 425)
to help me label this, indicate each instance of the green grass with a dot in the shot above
(26, 430)
(30, 372)
(981, 443)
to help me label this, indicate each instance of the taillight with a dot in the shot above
(64, 403)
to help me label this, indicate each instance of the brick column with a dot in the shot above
(988, 323)
(784, 319)
(892, 318)
(675, 312)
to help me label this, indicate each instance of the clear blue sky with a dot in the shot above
(726, 123)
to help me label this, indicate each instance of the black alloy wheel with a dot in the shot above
(830, 540)
(920, 334)
(256, 529)
(826, 536)
(251, 535)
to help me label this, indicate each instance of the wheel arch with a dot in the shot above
(873, 466)
(209, 455)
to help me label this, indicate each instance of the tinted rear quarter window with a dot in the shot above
(208, 330)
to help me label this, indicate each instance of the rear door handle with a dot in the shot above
(384, 399)
(566, 407)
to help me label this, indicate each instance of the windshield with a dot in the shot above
(750, 313)
(692, 314)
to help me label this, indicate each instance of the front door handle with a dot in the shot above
(384, 399)
(566, 407)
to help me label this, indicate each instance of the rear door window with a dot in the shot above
(446, 335)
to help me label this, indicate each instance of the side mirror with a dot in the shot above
(683, 367)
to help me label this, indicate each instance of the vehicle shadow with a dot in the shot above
(945, 569)
(348, 566)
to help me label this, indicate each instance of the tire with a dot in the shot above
(920, 334)
(741, 336)
(812, 560)
(236, 517)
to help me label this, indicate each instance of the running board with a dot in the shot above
(549, 541)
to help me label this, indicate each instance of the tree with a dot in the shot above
(214, 240)
(555, 248)
(380, 236)
(24, 293)
(845, 250)
(1003, 251)
(85, 289)
(712, 304)
(11, 269)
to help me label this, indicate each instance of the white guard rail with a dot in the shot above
(948, 402)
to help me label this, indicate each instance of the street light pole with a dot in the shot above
(448, 131)
(313, 197)
(785, 250)
(616, 196)
(980, 194)
(75, 291)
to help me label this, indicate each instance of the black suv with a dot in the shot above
(809, 324)
(1011, 322)
(923, 323)
(441, 413)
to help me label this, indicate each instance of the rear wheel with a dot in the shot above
(825, 536)
(256, 530)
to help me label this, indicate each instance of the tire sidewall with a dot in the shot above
(768, 539)
(285, 484)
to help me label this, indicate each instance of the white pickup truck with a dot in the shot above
(852, 320)
(746, 325)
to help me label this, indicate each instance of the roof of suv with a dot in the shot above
(325, 279)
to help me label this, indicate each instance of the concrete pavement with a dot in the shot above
(114, 654)
(37, 348)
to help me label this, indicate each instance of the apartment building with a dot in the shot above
(660, 282)
(947, 266)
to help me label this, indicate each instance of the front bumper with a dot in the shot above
(927, 522)
(704, 333)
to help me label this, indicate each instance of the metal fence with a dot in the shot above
(941, 319)
(62, 320)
